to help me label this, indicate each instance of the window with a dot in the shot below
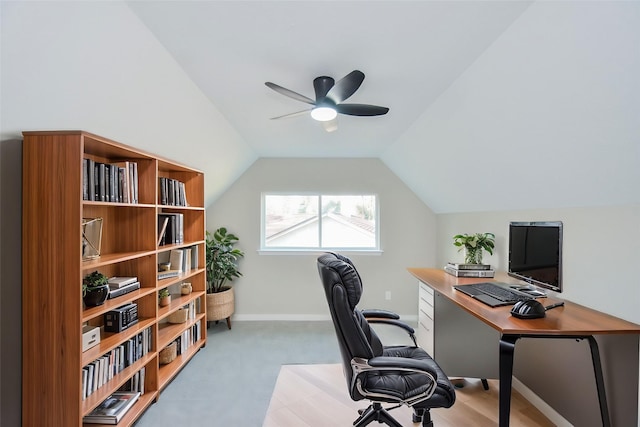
(319, 221)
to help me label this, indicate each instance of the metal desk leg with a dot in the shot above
(507, 346)
(597, 368)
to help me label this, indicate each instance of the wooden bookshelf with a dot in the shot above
(53, 312)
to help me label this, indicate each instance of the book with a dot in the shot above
(168, 274)
(91, 173)
(162, 229)
(469, 266)
(469, 273)
(116, 292)
(116, 282)
(124, 179)
(194, 257)
(186, 261)
(102, 189)
(85, 179)
(113, 408)
(176, 259)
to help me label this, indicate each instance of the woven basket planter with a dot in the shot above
(168, 354)
(220, 305)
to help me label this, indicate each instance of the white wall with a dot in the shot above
(288, 286)
(94, 66)
(547, 117)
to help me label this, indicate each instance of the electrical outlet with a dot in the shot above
(387, 295)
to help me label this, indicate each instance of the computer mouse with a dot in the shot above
(530, 309)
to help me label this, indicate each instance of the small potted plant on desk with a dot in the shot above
(222, 266)
(473, 246)
(95, 289)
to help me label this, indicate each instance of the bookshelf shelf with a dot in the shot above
(58, 164)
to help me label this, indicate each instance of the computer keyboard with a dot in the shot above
(493, 294)
(503, 294)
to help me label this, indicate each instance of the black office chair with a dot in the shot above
(401, 375)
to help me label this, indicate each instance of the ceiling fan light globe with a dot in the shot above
(323, 114)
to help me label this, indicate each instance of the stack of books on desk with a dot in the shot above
(469, 270)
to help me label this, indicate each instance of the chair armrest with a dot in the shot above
(379, 313)
(393, 322)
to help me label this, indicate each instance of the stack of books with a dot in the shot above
(122, 285)
(469, 270)
(112, 409)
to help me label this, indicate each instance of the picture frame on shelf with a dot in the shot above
(91, 238)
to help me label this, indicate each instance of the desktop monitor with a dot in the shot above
(535, 253)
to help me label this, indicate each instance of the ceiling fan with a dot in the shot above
(329, 97)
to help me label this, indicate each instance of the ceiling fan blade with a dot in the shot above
(330, 125)
(346, 86)
(322, 85)
(291, 94)
(361, 109)
(297, 113)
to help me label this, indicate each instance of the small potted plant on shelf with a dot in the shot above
(95, 289)
(222, 267)
(473, 245)
(164, 298)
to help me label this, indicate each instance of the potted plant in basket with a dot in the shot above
(222, 267)
(473, 246)
(95, 289)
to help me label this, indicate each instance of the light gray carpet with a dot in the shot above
(229, 382)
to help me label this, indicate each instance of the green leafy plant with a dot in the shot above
(163, 293)
(474, 244)
(222, 259)
(92, 281)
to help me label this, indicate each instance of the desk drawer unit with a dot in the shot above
(425, 318)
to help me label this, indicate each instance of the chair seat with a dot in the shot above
(405, 385)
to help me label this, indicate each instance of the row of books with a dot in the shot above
(188, 338)
(172, 192)
(110, 182)
(113, 408)
(135, 383)
(184, 259)
(100, 371)
(180, 261)
(469, 270)
(170, 228)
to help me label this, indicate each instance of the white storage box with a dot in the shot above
(90, 337)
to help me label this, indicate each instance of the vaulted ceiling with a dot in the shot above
(410, 53)
(493, 104)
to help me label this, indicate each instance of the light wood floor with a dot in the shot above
(316, 396)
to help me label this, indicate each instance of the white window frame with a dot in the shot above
(264, 250)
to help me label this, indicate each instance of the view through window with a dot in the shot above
(319, 221)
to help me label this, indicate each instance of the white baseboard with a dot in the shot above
(300, 317)
(540, 404)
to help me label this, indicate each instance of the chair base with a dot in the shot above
(376, 412)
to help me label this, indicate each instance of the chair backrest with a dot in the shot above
(343, 289)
